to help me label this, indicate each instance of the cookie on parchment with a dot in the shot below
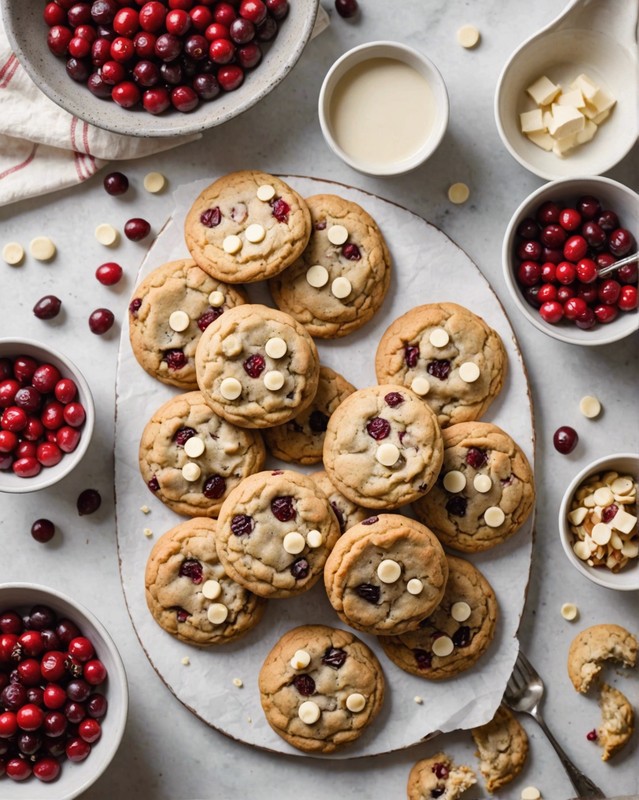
(188, 592)
(275, 532)
(485, 491)
(456, 634)
(447, 355)
(301, 439)
(347, 513)
(191, 459)
(169, 310)
(247, 226)
(386, 574)
(438, 776)
(257, 367)
(383, 447)
(502, 746)
(320, 688)
(342, 276)
(617, 721)
(595, 645)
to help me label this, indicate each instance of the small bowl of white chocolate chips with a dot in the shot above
(598, 522)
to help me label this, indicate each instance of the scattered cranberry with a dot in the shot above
(101, 321)
(592, 735)
(346, 8)
(137, 229)
(47, 307)
(565, 439)
(109, 274)
(43, 530)
(116, 183)
(88, 502)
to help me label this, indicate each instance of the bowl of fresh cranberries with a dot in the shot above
(158, 68)
(46, 416)
(63, 695)
(558, 257)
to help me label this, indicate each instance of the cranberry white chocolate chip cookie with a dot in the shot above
(485, 491)
(257, 367)
(502, 746)
(617, 721)
(347, 513)
(320, 688)
(447, 355)
(302, 439)
(188, 592)
(456, 634)
(343, 275)
(437, 776)
(593, 646)
(386, 574)
(246, 227)
(191, 459)
(275, 532)
(383, 447)
(167, 314)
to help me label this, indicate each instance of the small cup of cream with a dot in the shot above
(383, 108)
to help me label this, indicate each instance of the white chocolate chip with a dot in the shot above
(317, 276)
(154, 182)
(179, 321)
(387, 454)
(42, 248)
(211, 589)
(454, 481)
(439, 337)
(341, 288)
(621, 486)
(232, 346)
(216, 299)
(630, 549)
(601, 533)
(294, 543)
(482, 483)
(419, 700)
(468, 36)
(460, 611)
(443, 646)
(273, 380)
(420, 386)
(337, 234)
(185, 660)
(238, 682)
(147, 532)
(230, 388)
(194, 447)
(589, 501)
(265, 192)
(414, 586)
(232, 244)
(581, 550)
(469, 372)
(389, 571)
(255, 233)
(276, 347)
(623, 521)
(458, 193)
(589, 406)
(616, 541)
(578, 515)
(301, 659)
(314, 539)
(145, 509)
(309, 712)
(13, 253)
(603, 496)
(355, 702)
(191, 471)
(217, 613)
(106, 234)
(494, 517)
(569, 611)
(530, 793)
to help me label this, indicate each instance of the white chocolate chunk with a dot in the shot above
(154, 182)
(317, 276)
(573, 97)
(543, 140)
(294, 543)
(616, 541)
(13, 253)
(588, 132)
(543, 91)
(337, 234)
(460, 611)
(273, 380)
(569, 611)
(147, 532)
(621, 485)
(458, 193)
(419, 700)
(232, 346)
(530, 793)
(255, 233)
(314, 539)
(482, 483)
(216, 299)
(603, 496)
(630, 549)
(217, 613)
(387, 454)
(602, 100)
(532, 121)
(420, 386)
(601, 533)
(145, 509)
(443, 646)
(454, 481)
(341, 288)
(179, 321)
(562, 146)
(389, 571)
(276, 347)
(494, 517)
(185, 660)
(230, 388)
(309, 712)
(106, 234)
(211, 589)
(301, 659)
(577, 515)
(194, 447)
(565, 121)
(439, 337)
(414, 586)
(232, 244)
(586, 86)
(623, 521)
(581, 550)
(355, 702)
(599, 118)
(589, 406)
(191, 471)
(469, 372)
(265, 192)
(238, 682)
(468, 36)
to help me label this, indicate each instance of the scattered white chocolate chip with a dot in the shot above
(232, 346)
(494, 516)
(194, 447)
(147, 532)
(341, 288)
(389, 571)
(589, 406)
(273, 380)
(211, 589)
(387, 454)
(106, 234)
(458, 193)
(314, 539)
(217, 613)
(145, 509)
(317, 276)
(232, 244)
(468, 36)
(42, 248)
(469, 372)
(420, 386)
(309, 712)
(301, 659)
(265, 192)
(186, 661)
(154, 182)
(355, 702)
(482, 483)
(581, 550)
(276, 347)
(13, 253)
(238, 682)
(443, 646)
(216, 299)
(294, 543)
(255, 233)
(179, 321)
(578, 515)
(569, 611)
(439, 337)
(337, 234)
(530, 793)
(419, 700)
(414, 586)
(191, 471)
(454, 481)
(460, 611)
(230, 388)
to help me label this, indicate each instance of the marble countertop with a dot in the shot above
(167, 753)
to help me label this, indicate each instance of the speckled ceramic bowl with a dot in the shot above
(27, 34)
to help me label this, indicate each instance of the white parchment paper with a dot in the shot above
(427, 267)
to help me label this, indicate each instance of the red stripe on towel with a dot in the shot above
(20, 166)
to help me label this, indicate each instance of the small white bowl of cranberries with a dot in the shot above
(46, 416)
(63, 695)
(556, 245)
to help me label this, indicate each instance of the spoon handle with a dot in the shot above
(622, 263)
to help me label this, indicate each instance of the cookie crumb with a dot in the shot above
(186, 661)
(569, 611)
(249, 720)
(145, 509)
(238, 682)
(148, 532)
(419, 700)
(530, 793)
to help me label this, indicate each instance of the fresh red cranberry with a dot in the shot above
(553, 256)
(30, 717)
(346, 8)
(201, 17)
(74, 414)
(47, 307)
(267, 30)
(100, 321)
(184, 99)
(66, 630)
(54, 14)
(589, 207)
(628, 298)
(217, 31)
(52, 666)
(168, 47)
(177, 22)
(214, 487)
(28, 398)
(55, 724)
(587, 291)
(548, 213)
(122, 49)
(565, 293)
(24, 369)
(109, 273)
(48, 454)
(31, 641)
(126, 94)
(29, 743)
(575, 248)
(67, 438)
(551, 312)
(528, 229)
(242, 525)
(569, 219)
(52, 415)
(58, 39)
(54, 696)
(620, 242)
(74, 711)
(300, 569)
(196, 47)
(378, 428)
(95, 672)
(8, 724)
(26, 450)
(78, 690)
(10, 622)
(26, 467)
(368, 592)
(606, 313)
(277, 8)
(438, 368)
(608, 292)
(126, 22)
(253, 10)
(8, 441)
(96, 706)
(79, 47)
(152, 16)
(156, 100)
(81, 648)
(100, 52)
(89, 730)
(8, 391)
(593, 234)
(546, 293)
(586, 270)
(137, 229)
(224, 13)
(88, 502)
(77, 749)
(608, 220)
(573, 307)
(46, 769)
(566, 272)
(113, 73)
(116, 183)
(230, 77)
(529, 273)
(242, 31)
(553, 236)
(565, 439)
(14, 419)
(17, 769)
(45, 378)
(456, 506)
(221, 51)
(628, 273)
(144, 44)
(13, 697)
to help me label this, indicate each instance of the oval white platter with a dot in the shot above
(427, 267)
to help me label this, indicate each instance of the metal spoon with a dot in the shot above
(622, 263)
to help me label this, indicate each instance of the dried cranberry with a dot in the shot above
(462, 637)
(254, 365)
(304, 684)
(280, 209)
(318, 421)
(211, 217)
(191, 568)
(182, 614)
(283, 509)
(411, 354)
(351, 252)
(209, 316)
(320, 225)
(214, 487)
(423, 659)
(334, 657)
(592, 735)
(370, 520)
(440, 770)
(300, 569)
(242, 525)
(368, 592)
(340, 517)
(183, 435)
(134, 306)
(153, 484)
(439, 368)
(378, 428)
(175, 359)
(394, 399)
(457, 506)
(476, 458)
(609, 513)
(434, 793)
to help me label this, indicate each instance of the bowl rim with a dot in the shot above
(403, 52)
(615, 333)
(605, 579)
(77, 455)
